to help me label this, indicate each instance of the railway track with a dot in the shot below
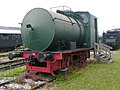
(11, 64)
(13, 84)
(26, 84)
(4, 55)
(7, 82)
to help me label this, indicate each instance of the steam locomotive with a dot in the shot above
(57, 39)
(112, 38)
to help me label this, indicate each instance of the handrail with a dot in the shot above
(102, 52)
(62, 7)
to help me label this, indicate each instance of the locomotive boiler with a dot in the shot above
(57, 39)
(46, 30)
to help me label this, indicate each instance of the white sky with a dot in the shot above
(107, 11)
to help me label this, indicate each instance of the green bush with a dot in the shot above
(12, 72)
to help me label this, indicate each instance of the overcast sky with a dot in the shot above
(13, 11)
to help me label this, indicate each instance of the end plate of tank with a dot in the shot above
(38, 29)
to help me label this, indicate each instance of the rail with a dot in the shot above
(11, 64)
(25, 84)
(4, 55)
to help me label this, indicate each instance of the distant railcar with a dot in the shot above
(112, 38)
(10, 37)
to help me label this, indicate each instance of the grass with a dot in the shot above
(99, 76)
(12, 72)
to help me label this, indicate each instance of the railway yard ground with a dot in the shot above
(94, 76)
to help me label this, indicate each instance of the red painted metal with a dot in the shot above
(62, 59)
